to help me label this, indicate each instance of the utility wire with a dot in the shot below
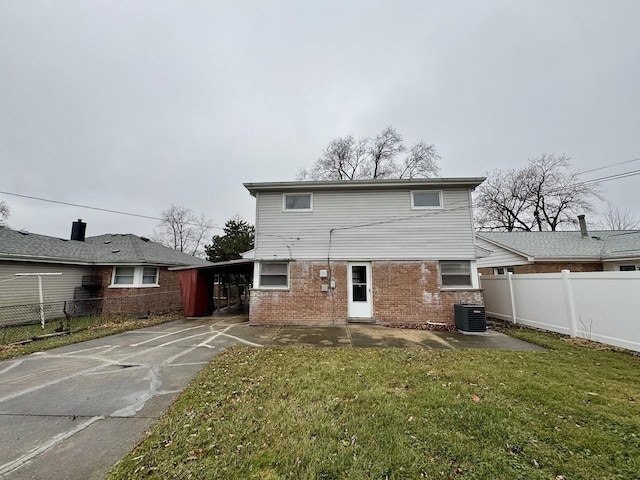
(118, 212)
(617, 176)
(609, 166)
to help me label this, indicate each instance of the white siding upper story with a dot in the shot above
(365, 225)
(24, 290)
(499, 257)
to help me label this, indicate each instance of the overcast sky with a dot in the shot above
(135, 105)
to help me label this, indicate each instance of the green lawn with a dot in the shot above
(374, 414)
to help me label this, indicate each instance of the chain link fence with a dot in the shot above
(25, 323)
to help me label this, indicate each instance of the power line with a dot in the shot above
(617, 176)
(118, 212)
(609, 166)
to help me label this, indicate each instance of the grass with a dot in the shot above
(276, 413)
(82, 329)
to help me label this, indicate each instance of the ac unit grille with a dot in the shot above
(470, 318)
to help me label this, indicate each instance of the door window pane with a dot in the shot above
(359, 274)
(359, 283)
(359, 293)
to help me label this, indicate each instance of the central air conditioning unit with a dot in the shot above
(470, 318)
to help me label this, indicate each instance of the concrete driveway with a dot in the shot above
(73, 412)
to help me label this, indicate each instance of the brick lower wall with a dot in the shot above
(136, 301)
(409, 293)
(550, 267)
(304, 303)
(403, 293)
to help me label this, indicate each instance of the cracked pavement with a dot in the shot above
(73, 412)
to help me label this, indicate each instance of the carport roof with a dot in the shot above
(239, 266)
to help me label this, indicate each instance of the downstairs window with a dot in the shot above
(274, 275)
(135, 277)
(455, 273)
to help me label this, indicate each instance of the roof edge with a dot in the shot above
(528, 257)
(335, 185)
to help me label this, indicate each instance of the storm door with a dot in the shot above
(359, 280)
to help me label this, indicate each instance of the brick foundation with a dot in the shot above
(136, 301)
(403, 293)
(550, 267)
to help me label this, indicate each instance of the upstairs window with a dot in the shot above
(424, 199)
(455, 273)
(135, 277)
(274, 274)
(298, 202)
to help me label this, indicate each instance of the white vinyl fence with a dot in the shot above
(600, 306)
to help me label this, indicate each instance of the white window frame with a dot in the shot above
(505, 270)
(138, 274)
(273, 287)
(298, 194)
(470, 285)
(626, 267)
(420, 207)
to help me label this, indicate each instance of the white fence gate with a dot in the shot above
(600, 306)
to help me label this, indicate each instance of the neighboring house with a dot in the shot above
(397, 252)
(548, 252)
(128, 272)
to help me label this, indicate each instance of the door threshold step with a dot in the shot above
(361, 320)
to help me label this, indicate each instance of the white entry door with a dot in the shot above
(359, 279)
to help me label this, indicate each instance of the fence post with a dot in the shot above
(568, 300)
(41, 301)
(511, 297)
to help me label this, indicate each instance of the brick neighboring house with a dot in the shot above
(396, 252)
(130, 273)
(549, 252)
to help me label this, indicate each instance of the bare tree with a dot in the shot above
(341, 160)
(615, 219)
(544, 195)
(182, 230)
(4, 214)
(499, 204)
(555, 192)
(382, 154)
(421, 161)
(347, 158)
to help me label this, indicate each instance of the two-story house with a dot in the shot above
(396, 252)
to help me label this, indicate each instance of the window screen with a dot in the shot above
(149, 276)
(274, 275)
(124, 275)
(426, 200)
(455, 273)
(297, 202)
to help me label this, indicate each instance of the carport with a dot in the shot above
(197, 283)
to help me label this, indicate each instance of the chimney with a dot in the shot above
(583, 226)
(78, 230)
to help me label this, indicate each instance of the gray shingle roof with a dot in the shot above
(600, 245)
(108, 249)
